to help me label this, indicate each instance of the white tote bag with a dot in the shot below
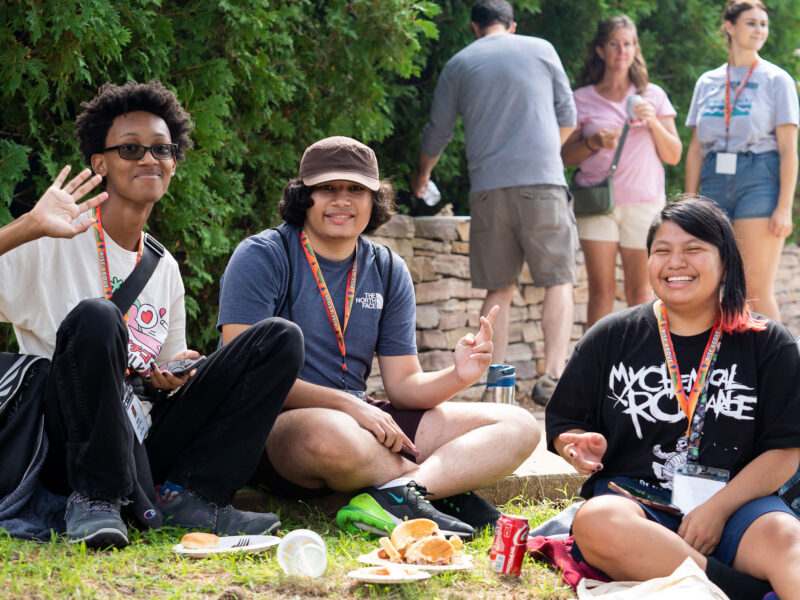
(687, 581)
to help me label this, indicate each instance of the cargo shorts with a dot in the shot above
(534, 223)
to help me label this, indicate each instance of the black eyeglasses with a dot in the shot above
(137, 151)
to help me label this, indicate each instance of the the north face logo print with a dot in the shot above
(371, 300)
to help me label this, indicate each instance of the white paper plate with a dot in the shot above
(397, 574)
(461, 562)
(245, 544)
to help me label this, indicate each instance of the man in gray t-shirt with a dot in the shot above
(318, 271)
(515, 100)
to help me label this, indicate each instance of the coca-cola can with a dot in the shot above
(510, 544)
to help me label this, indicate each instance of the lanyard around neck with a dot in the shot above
(709, 357)
(109, 286)
(338, 327)
(728, 107)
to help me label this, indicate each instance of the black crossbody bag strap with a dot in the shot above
(143, 495)
(126, 294)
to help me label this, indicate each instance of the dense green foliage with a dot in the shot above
(263, 79)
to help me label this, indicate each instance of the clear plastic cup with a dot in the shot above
(302, 552)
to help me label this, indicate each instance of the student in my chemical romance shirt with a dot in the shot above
(691, 383)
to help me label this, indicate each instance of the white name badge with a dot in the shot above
(694, 484)
(133, 408)
(726, 163)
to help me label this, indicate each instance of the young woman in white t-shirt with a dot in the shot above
(743, 153)
(614, 71)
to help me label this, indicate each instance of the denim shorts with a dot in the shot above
(734, 529)
(752, 193)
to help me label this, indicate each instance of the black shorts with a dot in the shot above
(269, 480)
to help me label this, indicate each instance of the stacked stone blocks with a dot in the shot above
(436, 250)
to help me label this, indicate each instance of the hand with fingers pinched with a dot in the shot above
(473, 353)
(584, 451)
(54, 213)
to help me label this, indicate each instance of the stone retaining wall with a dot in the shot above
(436, 250)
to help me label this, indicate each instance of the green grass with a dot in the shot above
(149, 569)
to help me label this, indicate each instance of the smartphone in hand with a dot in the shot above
(651, 500)
(181, 367)
(410, 450)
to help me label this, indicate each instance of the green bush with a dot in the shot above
(263, 79)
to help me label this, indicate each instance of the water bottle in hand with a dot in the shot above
(432, 194)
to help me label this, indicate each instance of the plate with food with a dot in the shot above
(200, 545)
(421, 544)
(388, 574)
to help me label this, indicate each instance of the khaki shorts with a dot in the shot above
(508, 225)
(626, 225)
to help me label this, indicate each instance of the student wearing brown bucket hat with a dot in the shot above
(354, 300)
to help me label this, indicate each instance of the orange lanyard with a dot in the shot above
(728, 107)
(338, 328)
(109, 286)
(687, 403)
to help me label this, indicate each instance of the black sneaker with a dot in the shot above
(95, 522)
(188, 510)
(378, 511)
(470, 508)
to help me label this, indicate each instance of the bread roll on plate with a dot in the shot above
(198, 540)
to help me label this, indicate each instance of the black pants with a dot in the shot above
(207, 437)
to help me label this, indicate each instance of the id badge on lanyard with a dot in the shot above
(726, 161)
(133, 408)
(693, 484)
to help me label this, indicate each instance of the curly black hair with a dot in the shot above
(296, 200)
(92, 125)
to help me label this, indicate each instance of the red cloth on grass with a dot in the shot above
(557, 553)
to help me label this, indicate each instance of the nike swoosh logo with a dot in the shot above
(396, 499)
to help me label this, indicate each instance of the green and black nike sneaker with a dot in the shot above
(378, 511)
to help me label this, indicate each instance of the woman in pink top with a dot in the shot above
(615, 70)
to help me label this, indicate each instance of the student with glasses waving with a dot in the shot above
(203, 431)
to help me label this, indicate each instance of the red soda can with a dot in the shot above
(510, 545)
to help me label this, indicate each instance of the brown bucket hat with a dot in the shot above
(340, 157)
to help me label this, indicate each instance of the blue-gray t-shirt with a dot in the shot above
(254, 286)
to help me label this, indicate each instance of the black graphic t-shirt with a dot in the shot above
(616, 383)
